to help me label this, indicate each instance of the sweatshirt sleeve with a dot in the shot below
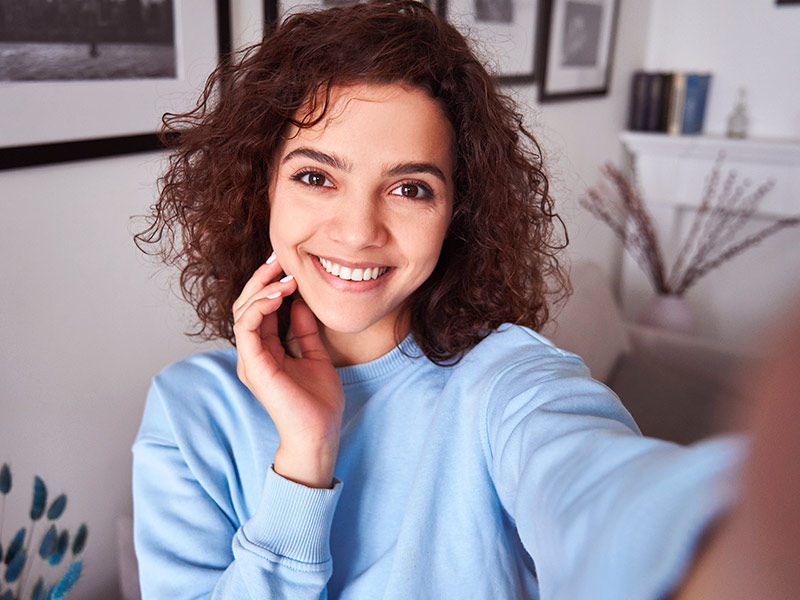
(188, 545)
(603, 511)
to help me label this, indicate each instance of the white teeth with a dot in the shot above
(349, 274)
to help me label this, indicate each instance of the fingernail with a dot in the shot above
(271, 258)
(287, 278)
(274, 295)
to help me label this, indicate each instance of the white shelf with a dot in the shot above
(672, 170)
(701, 146)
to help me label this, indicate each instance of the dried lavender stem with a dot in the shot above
(702, 212)
(738, 248)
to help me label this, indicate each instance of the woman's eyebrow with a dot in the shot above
(326, 159)
(414, 167)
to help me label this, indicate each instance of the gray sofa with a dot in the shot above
(677, 387)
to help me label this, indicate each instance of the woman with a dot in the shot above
(388, 424)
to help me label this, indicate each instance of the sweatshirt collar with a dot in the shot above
(402, 354)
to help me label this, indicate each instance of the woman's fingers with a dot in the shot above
(264, 275)
(284, 287)
(306, 332)
(256, 321)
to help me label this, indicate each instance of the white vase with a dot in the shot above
(668, 311)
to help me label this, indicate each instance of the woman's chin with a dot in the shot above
(357, 322)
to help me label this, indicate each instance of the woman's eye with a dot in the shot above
(416, 191)
(313, 178)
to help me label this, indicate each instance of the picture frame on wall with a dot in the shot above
(277, 10)
(504, 30)
(576, 48)
(504, 33)
(99, 85)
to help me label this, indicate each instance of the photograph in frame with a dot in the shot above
(76, 41)
(503, 33)
(576, 48)
(99, 86)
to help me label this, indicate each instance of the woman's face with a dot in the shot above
(360, 205)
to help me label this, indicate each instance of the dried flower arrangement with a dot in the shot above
(18, 559)
(712, 237)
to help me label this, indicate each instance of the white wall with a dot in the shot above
(579, 136)
(85, 323)
(745, 43)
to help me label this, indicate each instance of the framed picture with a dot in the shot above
(576, 48)
(82, 80)
(503, 33)
(277, 10)
(504, 30)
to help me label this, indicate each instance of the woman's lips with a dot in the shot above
(351, 273)
(352, 276)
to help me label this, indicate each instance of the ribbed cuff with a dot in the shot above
(293, 520)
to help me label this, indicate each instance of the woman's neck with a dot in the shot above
(347, 349)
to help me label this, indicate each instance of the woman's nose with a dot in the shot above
(359, 222)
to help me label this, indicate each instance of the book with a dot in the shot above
(658, 94)
(676, 103)
(694, 104)
(673, 102)
(637, 111)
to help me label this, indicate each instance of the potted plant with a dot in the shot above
(714, 236)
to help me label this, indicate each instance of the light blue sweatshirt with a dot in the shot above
(452, 482)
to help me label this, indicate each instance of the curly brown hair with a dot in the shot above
(498, 263)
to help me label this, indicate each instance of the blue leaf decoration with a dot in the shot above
(57, 507)
(67, 582)
(5, 479)
(80, 539)
(38, 590)
(16, 546)
(9, 595)
(15, 568)
(49, 543)
(61, 548)
(39, 499)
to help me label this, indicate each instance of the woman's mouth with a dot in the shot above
(351, 273)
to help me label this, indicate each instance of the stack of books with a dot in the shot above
(673, 103)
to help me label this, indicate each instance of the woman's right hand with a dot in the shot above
(303, 395)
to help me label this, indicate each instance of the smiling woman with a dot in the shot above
(369, 189)
(387, 423)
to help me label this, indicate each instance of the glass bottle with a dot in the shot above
(738, 119)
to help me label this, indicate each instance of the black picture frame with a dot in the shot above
(14, 157)
(576, 48)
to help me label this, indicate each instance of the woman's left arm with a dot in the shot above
(604, 512)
